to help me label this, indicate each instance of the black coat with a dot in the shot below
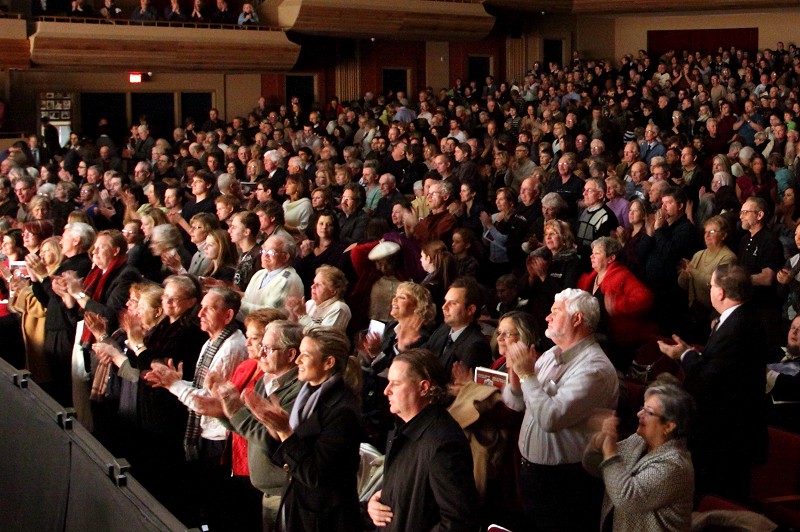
(322, 459)
(470, 348)
(428, 479)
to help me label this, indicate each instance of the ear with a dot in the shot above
(329, 363)
(424, 387)
(577, 318)
(669, 427)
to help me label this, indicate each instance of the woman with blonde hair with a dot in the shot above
(222, 254)
(33, 314)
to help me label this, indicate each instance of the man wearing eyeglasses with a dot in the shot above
(277, 280)
(277, 355)
(761, 255)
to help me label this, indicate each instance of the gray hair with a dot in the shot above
(85, 233)
(746, 154)
(230, 299)
(290, 334)
(726, 179)
(274, 156)
(447, 188)
(168, 234)
(553, 200)
(225, 181)
(676, 404)
(576, 300)
(287, 244)
(611, 246)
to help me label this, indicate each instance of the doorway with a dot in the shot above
(394, 80)
(301, 86)
(478, 67)
(553, 51)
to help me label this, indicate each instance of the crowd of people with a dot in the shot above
(237, 308)
(174, 11)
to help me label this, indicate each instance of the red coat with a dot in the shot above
(627, 302)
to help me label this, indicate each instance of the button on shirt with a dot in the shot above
(554, 429)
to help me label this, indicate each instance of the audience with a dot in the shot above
(602, 176)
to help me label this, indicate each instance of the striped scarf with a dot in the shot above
(191, 437)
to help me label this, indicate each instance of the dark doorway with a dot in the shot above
(394, 80)
(158, 108)
(478, 67)
(108, 105)
(303, 88)
(195, 105)
(553, 51)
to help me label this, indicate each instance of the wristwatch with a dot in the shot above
(82, 295)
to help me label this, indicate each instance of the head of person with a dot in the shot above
(594, 191)
(753, 214)
(277, 252)
(465, 242)
(329, 283)
(296, 185)
(604, 251)
(513, 327)
(148, 310)
(666, 415)
(279, 343)
(255, 324)
(34, 232)
(270, 215)
(244, 228)
(574, 315)
(417, 379)
(220, 249)
(77, 238)
(201, 224)
(715, 231)
(165, 239)
(50, 252)
(150, 219)
(12, 244)
(673, 204)
(553, 205)
(462, 302)
(558, 236)
(730, 285)
(109, 246)
(505, 199)
(325, 352)
(352, 198)
(411, 299)
(182, 293)
(218, 309)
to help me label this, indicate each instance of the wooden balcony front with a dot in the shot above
(409, 20)
(90, 45)
(16, 50)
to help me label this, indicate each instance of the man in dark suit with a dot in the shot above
(459, 338)
(727, 381)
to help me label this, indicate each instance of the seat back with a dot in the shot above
(780, 476)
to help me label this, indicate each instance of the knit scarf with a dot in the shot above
(307, 400)
(95, 284)
(191, 437)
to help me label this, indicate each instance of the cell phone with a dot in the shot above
(247, 186)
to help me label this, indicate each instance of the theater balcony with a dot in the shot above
(16, 51)
(605, 7)
(433, 20)
(91, 45)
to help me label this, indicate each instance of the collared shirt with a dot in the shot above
(555, 426)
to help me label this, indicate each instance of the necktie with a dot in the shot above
(448, 344)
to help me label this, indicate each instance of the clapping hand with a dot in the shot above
(96, 323)
(270, 413)
(164, 375)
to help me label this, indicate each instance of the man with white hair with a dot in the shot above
(559, 392)
(273, 165)
(144, 144)
(277, 280)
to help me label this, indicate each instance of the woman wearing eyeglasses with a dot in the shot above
(695, 275)
(649, 477)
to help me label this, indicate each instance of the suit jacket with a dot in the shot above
(471, 347)
(428, 479)
(728, 381)
(322, 459)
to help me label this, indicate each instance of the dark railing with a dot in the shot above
(158, 23)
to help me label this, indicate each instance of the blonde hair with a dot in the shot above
(332, 342)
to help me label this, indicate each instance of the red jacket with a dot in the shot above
(627, 302)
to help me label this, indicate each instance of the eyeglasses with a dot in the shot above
(172, 300)
(264, 350)
(270, 252)
(128, 232)
(505, 334)
(713, 231)
(747, 211)
(648, 412)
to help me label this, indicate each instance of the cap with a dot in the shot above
(383, 250)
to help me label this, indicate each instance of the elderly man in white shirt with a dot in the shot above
(559, 392)
(276, 281)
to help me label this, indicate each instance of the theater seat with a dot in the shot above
(775, 486)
